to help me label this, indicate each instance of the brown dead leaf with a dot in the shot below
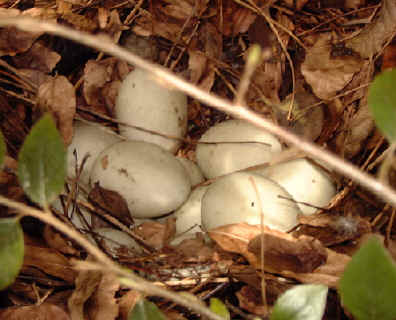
(235, 238)
(58, 97)
(127, 303)
(304, 254)
(101, 82)
(58, 242)
(327, 274)
(86, 284)
(14, 41)
(195, 249)
(109, 202)
(250, 299)
(307, 122)
(49, 261)
(38, 57)
(43, 311)
(355, 131)
(12, 125)
(325, 73)
(184, 9)
(155, 234)
(35, 76)
(371, 39)
(102, 304)
(237, 19)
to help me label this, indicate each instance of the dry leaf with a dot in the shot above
(109, 202)
(101, 82)
(14, 41)
(49, 261)
(58, 97)
(304, 254)
(86, 284)
(373, 37)
(43, 311)
(250, 299)
(155, 234)
(326, 74)
(58, 242)
(127, 303)
(102, 304)
(38, 57)
(237, 19)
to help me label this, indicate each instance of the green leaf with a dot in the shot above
(42, 162)
(302, 302)
(11, 250)
(368, 285)
(3, 149)
(145, 310)
(219, 308)
(382, 103)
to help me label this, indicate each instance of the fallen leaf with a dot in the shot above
(49, 261)
(127, 303)
(14, 41)
(101, 82)
(304, 254)
(43, 311)
(155, 234)
(250, 299)
(59, 98)
(109, 202)
(86, 283)
(372, 38)
(326, 74)
(102, 304)
(38, 57)
(58, 242)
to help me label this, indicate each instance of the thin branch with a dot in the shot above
(103, 43)
(107, 264)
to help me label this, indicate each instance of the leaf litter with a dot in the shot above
(205, 43)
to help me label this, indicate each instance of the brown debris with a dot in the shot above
(58, 97)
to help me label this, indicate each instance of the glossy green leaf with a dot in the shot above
(3, 149)
(219, 308)
(42, 162)
(382, 103)
(302, 302)
(11, 250)
(145, 310)
(368, 285)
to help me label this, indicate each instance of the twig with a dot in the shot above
(239, 111)
(106, 264)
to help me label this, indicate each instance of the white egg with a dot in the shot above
(151, 180)
(145, 103)
(305, 181)
(233, 199)
(115, 239)
(87, 140)
(193, 171)
(188, 216)
(237, 145)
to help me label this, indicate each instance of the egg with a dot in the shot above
(87, 140)
(233, 199)
(188, 216)
(193, 171)
(145, 103)
(234, 145)
(150, 179)
(305, 181)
